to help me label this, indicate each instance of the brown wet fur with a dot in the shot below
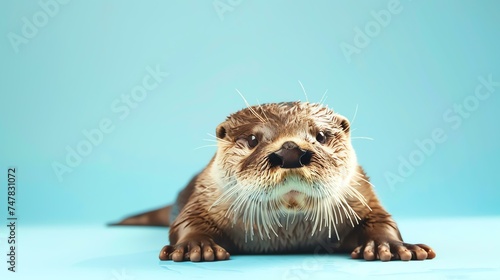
(205, 229)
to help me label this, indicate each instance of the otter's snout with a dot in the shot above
(290, 156)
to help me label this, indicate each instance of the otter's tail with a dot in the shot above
(159, 217)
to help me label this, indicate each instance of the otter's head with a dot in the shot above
(284, 159)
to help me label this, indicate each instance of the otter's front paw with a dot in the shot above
(392, 250)
(195, 251)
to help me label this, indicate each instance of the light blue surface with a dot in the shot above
(72, 74)
(96, 252)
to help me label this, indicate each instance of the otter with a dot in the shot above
(284, 179)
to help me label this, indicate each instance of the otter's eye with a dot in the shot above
(252, 141)
(320, 137)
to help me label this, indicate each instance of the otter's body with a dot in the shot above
(285, 179)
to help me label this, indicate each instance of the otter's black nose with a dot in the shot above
(290, 156)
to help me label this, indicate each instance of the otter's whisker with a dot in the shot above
(260, 213)
(323, 98)
(355, 114)
(327, 217)
(268, 225)
(293, 218)
(362, 178)
(249, 214)
(251, 108)
(356, 194)
(263, 111)
(347, 211)
(287, 216)
(218, 139)
(316, 217)
(337, 203)
(334, 226)
(204, 146)
(276, 214)
(211, 140)
(362, 137)
(228, 192)
(336, 219)
(304, 90)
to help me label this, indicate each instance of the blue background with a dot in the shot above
(66, 67)
(65, 76)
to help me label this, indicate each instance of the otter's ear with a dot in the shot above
(344, 124)
(221, 132)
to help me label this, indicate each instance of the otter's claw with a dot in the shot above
(392, 250)
(195, 251)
